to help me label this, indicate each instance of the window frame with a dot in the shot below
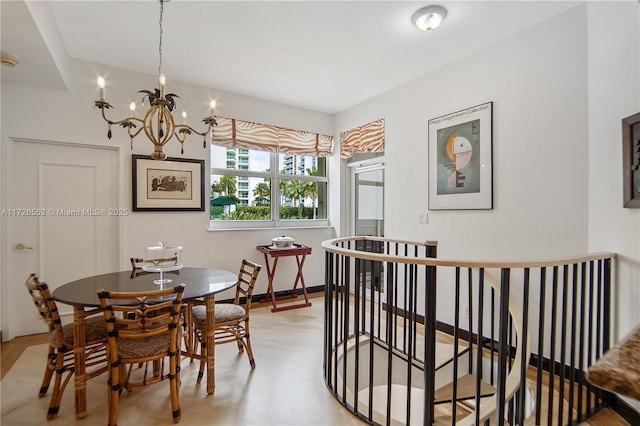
(275, 178)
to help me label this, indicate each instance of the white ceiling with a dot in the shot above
(321, 55)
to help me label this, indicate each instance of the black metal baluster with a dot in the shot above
(479, 347)
(521, 415)
(429, 345)
(572, 378)
(581, 383)
(503, 349)
(356, 330)
(389, 331)
(563, 341)
(541, 334)
(552, 357)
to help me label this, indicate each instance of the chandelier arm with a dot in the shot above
(184, 128)
(136, 133)
(124, 120)
(180, 137)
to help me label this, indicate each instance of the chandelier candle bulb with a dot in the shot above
(184, 117)
(132, 109)
(163, 80)
(212, 106)
(101, 84)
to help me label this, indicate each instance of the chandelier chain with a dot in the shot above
(160, 44)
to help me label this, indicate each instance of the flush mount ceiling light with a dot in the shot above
(158, 122)
(429, 18)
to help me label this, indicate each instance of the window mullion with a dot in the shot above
(275, 189)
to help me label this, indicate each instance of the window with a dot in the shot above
(251, 188)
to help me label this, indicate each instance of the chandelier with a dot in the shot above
(158, 122)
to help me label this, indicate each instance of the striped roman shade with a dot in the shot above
(231, 132)
(366, 138)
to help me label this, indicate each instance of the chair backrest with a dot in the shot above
(247, 277)
(137, 315)
(136, 263)
(45, 304)
(136, 267)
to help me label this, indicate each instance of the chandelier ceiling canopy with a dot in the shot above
(157, 122)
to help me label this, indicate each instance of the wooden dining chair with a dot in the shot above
(187, 333)
(142, 327)
(60, 360)
(138, 262)
(231, 319)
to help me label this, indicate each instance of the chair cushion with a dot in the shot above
(95, 331)
(145, 347)
(224, 312)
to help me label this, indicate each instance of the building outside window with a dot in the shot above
(252, 188)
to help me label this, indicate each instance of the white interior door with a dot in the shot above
(368, 219)
(63, 222)
(368, 197)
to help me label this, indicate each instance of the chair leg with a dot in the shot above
(56, 395)
(174, 379)
(158, 366)
(203, 357)
(48, 372)
(193, 350)
(194, 343)
(114, 392)
(127, 375)
(247, 343)
(188, 333)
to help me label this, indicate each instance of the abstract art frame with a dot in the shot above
(461, 159)
(174, 184)
(631, 160)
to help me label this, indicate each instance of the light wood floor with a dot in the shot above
(270, 351)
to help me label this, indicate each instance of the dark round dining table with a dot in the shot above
(82, 294)
(200, 282)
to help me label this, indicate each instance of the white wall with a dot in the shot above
(537, 81)
(614, 93)
(560, 90)
(68, 115)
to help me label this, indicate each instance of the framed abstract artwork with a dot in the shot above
(460, 159)
(174, 184)
(631, 160)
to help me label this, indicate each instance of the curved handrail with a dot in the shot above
(330, 246)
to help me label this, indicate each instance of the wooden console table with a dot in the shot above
(300, 251)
